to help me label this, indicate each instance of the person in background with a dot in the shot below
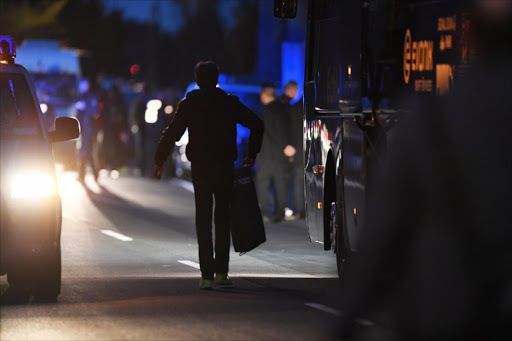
(297, 162)
(87, 115)
(115, 125)
(276, 150)
(211, 116)
(138, 128)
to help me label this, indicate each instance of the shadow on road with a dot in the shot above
(116, 209)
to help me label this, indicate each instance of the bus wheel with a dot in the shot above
(337, 243)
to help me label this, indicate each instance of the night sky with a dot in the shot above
(169, 12)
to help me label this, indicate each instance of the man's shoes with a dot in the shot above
(298, 216)
(223, 280)
(206, 284)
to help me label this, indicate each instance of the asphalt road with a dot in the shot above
(129, 272)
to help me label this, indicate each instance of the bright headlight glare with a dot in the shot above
(33, 185)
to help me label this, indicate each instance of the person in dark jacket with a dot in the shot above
(274, 163)
(211, 116)
(115, 126)
(297, 163)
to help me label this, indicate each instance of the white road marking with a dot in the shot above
(116, 235)
(190, 263)
(186, 185)
(337, 313)
(325, 308)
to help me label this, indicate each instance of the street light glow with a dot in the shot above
(168, 109)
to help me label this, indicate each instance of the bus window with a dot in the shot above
(335, 63)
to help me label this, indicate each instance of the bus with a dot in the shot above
(362, 58)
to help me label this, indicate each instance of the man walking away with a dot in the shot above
(211, 117)
(275, 151)
(296, 132)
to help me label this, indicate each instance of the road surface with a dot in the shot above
(130, 258)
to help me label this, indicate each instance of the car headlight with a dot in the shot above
(33, 185)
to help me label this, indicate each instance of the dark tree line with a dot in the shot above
(111, 44)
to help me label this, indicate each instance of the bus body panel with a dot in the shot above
(362, 59)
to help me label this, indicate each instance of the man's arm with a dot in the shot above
(171, 134)
(250, 120)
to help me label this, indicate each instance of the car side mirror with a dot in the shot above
(66, 128)
(285, 8)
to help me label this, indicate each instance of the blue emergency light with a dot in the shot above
(7, 50)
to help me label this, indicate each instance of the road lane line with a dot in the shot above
(337, 313)
(190, 263)
(116, 235)
(325, 308)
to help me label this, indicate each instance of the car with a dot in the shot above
(31, 210)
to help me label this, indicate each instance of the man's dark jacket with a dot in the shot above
(276, 137)
(211, 116)
(296, 132)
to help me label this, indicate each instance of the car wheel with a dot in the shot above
(46, 282)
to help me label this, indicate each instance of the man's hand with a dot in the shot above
(157, 171)
(289, 151)
(248, 161)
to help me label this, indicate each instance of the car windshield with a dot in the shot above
(18, 114)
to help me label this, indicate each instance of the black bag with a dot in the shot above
(247, 229)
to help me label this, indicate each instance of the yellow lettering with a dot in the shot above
(447, 24)
(414, 61)
(418, 56)
(430, 56)
(423, 85)
(421, 56)
(449, 41)
(444, 79)
(407, 56)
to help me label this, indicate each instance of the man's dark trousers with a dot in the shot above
(275, 174)
(213, 181)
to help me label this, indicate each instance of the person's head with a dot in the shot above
(267, 94)
(207, 74)
(84, 86)
(290, 89)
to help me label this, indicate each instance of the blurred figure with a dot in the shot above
(297, 163)
(211, 116)
(87, 114)
(276, 150)
(115, 124)
(438, 240)
(138, 128)
(47, 108)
